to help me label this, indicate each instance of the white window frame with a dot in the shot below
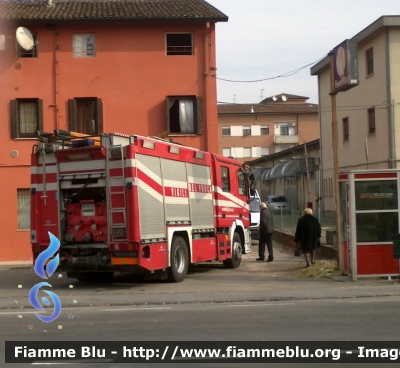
(247, 152)
(23, 207)
(227, 152)
(84, 45)
(246, 130)
(264, 151)
(226, 131)
(179, 50)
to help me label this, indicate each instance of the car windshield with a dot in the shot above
(279, 199)
(254, 205)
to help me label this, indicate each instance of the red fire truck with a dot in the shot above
(119, 202)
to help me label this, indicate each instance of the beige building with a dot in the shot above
(250, 131)
(368, 115)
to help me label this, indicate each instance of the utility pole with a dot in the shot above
(335, 160)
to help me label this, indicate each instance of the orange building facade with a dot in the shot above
(250, 131)
(147, 69)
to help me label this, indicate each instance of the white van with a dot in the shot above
(254, 204)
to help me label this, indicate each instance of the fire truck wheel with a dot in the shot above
(179, 260)
(234, 262)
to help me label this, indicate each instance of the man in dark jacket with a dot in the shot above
(266, 230)
(308, 232)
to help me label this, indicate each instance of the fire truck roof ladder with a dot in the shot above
(117, 225)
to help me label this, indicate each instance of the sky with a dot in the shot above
(265, 39)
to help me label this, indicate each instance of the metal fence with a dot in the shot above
(287, 222)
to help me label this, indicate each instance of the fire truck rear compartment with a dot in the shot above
(84, 224)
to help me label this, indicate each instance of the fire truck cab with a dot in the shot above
(119, 202)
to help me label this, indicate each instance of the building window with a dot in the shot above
(284, 130)
(32, 53)
(371, 120)
(345, 129)
(179, 43)
(84, 45)
(184, 115)
(246, 131)
(226, 131)
(264, 130)
(225, 179)
(26, 117)
(369, 56)
(227, 152)
(23, 206)
(86, 115)
(264, 151)
(246, 151)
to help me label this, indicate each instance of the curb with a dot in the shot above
(222, 301)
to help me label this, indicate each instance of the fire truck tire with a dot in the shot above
(179, 260)
(234, 262)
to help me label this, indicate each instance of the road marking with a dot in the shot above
(52, 363)
(131, 309)
(259, 305)
(373, 301)
(18, 312)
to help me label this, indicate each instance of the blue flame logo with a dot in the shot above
(39, 268)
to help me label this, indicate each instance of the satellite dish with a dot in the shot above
(25, 38)
(284, 98)
(274, 98)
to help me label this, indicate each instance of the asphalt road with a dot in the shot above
(259, 301)
(372, 319)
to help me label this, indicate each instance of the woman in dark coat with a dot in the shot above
(308, 232)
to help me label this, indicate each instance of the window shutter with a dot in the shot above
(40, 115)
(199, 115)
(99, 115)
(14, 118)
(72, 115)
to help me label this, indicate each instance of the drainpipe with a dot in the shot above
(54, 77)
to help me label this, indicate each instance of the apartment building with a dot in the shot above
(250, 131)
(99, 66)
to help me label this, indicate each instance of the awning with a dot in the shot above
(264, 174)
(292, 168)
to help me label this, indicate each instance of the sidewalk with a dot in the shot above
(286, 278)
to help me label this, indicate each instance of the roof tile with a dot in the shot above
(109, 9)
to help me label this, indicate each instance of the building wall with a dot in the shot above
(394, 63)
(131, 74)
(372, 91)
(305, 128)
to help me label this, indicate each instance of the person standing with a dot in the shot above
(308, 232)
(266, 231)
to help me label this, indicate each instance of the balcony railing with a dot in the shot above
(281, 139)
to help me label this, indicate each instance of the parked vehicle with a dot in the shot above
(279, 203)
(254, 205)
(119, 203)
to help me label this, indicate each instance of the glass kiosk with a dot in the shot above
(369, 218)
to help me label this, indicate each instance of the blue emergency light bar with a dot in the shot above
(83, 143)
